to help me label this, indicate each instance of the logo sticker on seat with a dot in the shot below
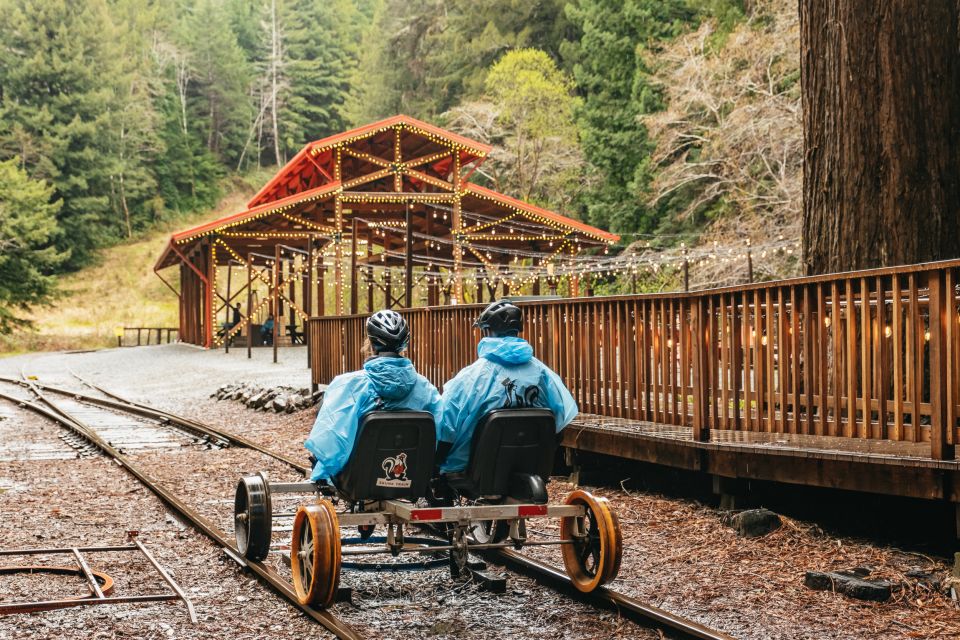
(396, 472)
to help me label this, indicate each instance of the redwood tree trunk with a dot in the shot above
(881, 104)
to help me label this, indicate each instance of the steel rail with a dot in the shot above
(271, 577)
(641, 612)
(192, 426)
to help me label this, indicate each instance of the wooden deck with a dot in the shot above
(878, 466)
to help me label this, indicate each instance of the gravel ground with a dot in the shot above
(92, 502)
(678, 553)
(99, 503)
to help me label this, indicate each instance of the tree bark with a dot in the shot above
(881, 104)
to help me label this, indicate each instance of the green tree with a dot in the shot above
(392, 75)
(476, 34)
(424, 58)
(28, 256)
(322, 48)
(219, 109)
(137, 143)
(57, 110)
(608, 61)
(528, 116)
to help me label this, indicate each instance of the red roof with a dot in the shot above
(245, 215)
(318, 146)
(543, 213)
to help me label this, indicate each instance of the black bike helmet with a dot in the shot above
(388, 331)
(501, 318)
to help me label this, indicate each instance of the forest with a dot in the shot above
(677, 124)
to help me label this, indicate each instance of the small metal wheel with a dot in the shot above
(593, 557)
(253, 517)
(489, 531)
(315, 554)
(366, 530)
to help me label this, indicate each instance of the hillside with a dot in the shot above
(120, 289)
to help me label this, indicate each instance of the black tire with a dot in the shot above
(252, 517)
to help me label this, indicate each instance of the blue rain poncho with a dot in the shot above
(506, 375)
(389, 384)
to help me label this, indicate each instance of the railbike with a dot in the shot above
(388, 481)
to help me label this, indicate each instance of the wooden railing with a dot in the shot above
(171, 334)
(870, 354)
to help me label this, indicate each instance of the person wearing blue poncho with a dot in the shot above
(387, 382)
(506, 375)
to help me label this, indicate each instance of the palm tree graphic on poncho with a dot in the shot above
(518, 397)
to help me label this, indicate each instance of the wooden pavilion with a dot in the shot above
(385, 212)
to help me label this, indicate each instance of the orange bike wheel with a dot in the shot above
(315, 554)
(593, 559)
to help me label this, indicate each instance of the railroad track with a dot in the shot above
(631, 608)
(44, 406)
(116, 402)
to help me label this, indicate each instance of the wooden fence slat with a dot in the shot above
(737, 362)
(722, 379)
(793, 362)
(914, 338)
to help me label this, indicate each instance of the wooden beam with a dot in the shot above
(274, 290)
(457, 232)
(408, 260)
(208, 318)
(353, 267)
(338, 256)
(940, 447)
(249, 306)
(369, 272)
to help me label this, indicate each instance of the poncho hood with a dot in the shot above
(392, 378)
(507, 350)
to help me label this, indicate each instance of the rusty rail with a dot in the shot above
(869, 354)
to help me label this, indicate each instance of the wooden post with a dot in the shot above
(387, 279)
(479, 285)
(275, 281)
(308, 296)
(408, 260)
(536, 285)
(749, 264)
(456, 231)
(701, 363)
(353, 268)
(293, 295)
(249, 305)
(229, 312)
(321, 290)
(208, 317)
(940, 314)
(338, 255)
(369, 272)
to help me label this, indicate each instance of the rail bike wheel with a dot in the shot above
(315, 554)
(593, 558)
(253, 517)
(489, 531)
